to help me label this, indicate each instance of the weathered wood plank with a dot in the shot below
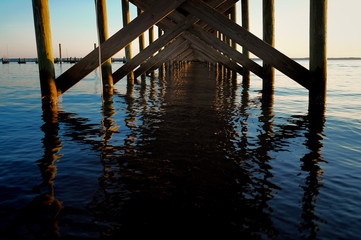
(226, 49)
(151, 49)
(128, 48)
(102, 22)
(115, 43)
(268, 37)
(184, 23)
(214, 54)
(182, 55)
(245, 25)
(174, 56)
(318, 52)
(222, 6)
(45, 54)
(174, 46)
(246, 39)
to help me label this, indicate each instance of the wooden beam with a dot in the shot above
(214, 54)
(45, 54)
(222, 6)
(176, 45)
(229, 51)
(174, 55)
(116, 43)
(183, 54)
(266, 52)
(152, 48)
(175, 30)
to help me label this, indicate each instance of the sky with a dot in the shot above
(73, 24)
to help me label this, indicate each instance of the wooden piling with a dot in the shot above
(128, 48)
(318, 52)
(60, 58)
(141, 42)
(245, 25)
(268, 37)
(107, 78)
(45, 54)
(233, 17)
(161, 68)
(151, 40)
(141, 37)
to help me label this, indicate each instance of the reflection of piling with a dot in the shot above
(45, 53)
(318, 53)
(268, 37)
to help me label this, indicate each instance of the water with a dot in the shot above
(187, 157)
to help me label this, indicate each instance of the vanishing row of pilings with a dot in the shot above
(318, 58)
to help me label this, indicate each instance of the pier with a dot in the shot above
(189, 31)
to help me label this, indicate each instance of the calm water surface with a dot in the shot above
(189, 154)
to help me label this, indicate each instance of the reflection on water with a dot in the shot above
(186, 157)
(39, 219)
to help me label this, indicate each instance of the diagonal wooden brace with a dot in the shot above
(152, 48)
(246, 39)
(117, 42)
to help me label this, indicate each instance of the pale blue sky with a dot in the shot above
(74, 26)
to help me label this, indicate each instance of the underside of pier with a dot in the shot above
(193, 30)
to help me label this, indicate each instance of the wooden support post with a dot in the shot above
(128, 48)
(45, 55)
(318, 52)
(233, 43)
(141, 36)
(268, 37)
(151, 40)
(141, 42)
(161, 68)
(245, 25)
(102, 21)
(61, 59)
